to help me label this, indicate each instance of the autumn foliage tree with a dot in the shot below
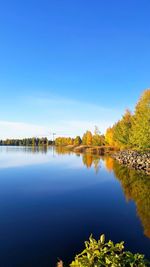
(109, 136)
(122, 130)
(77, 141)
(132, 131)
(63, 141)
(140, 136)
(95, 140)
(87, 138)
(98, 139)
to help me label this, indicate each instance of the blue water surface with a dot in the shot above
(52, 200)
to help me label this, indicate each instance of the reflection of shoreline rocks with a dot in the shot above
(135, 160)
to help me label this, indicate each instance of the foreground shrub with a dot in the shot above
(98, 253)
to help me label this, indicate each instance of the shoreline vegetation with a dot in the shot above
(101, 253)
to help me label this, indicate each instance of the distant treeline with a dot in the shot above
(131, 131)
(26, 142)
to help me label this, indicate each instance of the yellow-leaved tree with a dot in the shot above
(140, 134)
(87, 138)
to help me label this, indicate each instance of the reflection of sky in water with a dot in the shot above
(49, 171)
(27, 156)
(19, 157)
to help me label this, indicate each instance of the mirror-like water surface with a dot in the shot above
(52, 200)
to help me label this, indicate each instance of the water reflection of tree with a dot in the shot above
(60, 150)
(27, 149)
(136, 187)
(109, 163)
(90, 160)
(39, 149)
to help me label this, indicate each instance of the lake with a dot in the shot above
(52, 200)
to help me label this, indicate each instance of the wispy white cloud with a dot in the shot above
(63, 128)
(57, 114)
(11, 129)
(60, 103)
(56, 108)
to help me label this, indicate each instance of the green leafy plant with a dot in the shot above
(98, 253)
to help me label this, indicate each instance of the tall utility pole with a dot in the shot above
(53, 136)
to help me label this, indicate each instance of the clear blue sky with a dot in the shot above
(66, 65)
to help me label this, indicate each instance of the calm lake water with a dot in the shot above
(51, 201)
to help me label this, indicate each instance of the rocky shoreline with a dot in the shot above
(135, 160)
